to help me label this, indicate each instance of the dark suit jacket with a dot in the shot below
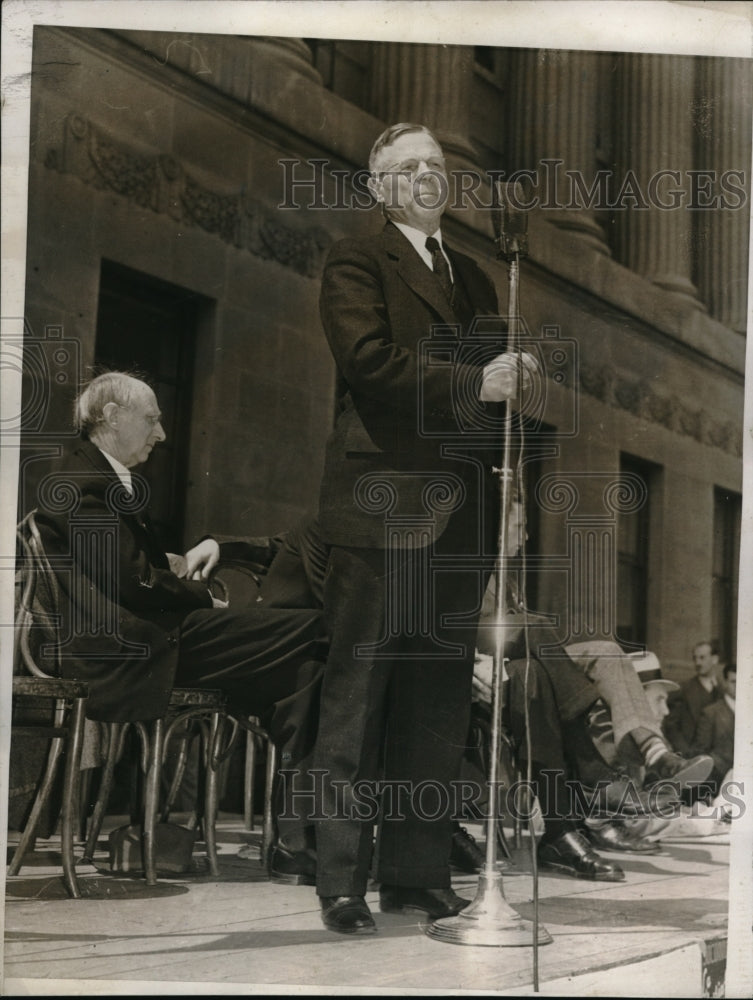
(378, 301)
(121, 606)
(715, 735)
(685, 707)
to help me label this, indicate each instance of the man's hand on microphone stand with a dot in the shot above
(500, 378)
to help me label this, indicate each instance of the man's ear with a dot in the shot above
(376, 187)
(110, 413)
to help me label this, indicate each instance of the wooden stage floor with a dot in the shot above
(659, 933)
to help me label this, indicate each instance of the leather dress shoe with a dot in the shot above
(614, 797)
(683, 771)
(465, 854)
(611, 837)
(623, 798)
(571, 854)
(347, 915)
(292, 867)
(435, 903)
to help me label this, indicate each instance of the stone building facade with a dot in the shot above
(184, 190)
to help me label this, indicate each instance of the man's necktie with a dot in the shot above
(440, 265)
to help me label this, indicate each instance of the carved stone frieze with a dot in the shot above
(638, 397)
(161, 183)
(213, 212)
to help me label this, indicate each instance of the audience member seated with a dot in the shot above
(133, 627)
(561, 750)
(715, 733)
(630, 834)
(686, 704)
(581, 673)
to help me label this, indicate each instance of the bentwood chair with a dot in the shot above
(45, 707)
(191, 712)
(244, 578)
(37, 655)
(189, 708)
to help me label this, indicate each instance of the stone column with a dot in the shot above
(654, 150)
(553, 128)
(227, 62)
(724, 126)
(292, 53)
(427, 84)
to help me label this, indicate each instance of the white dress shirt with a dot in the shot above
(418, 242)
(124, 474)
(709, 683)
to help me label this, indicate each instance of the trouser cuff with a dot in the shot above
(415, 876)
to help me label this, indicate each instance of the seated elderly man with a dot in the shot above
(132, 627)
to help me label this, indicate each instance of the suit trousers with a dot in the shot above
(395, 706)
(533, 698)
(579, 673)
(615, 677)
(268, 662)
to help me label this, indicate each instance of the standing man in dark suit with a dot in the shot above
(409, 519)
(686, 705)
(135, 621)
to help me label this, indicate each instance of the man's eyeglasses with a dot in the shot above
(411, 168)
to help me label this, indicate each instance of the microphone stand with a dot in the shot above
(490, 920)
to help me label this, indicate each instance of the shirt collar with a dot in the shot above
(124, 474)
(417, 240)
(707, 682)
(730, 702)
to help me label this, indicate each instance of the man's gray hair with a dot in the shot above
(110, 387)
(392, 134)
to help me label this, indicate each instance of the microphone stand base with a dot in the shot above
(488, 922)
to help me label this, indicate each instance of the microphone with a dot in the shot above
(510, 221)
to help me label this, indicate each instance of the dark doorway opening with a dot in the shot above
(633, 552)
(724, 579)
(148, 327)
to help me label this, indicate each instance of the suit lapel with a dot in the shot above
(417, 276)
(139, 521)
(91, 453)
(477, 290)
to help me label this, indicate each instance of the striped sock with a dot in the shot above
(651, 746)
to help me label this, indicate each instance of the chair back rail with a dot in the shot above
(38, 615)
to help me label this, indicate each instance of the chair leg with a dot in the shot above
(178, 774)
(29, 832)
(267, 836)
(84, 799)
(151, 801)
(250, 775)
(117, 732)
(69, 816)
(211, 791)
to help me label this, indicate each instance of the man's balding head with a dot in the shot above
(120, 414)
